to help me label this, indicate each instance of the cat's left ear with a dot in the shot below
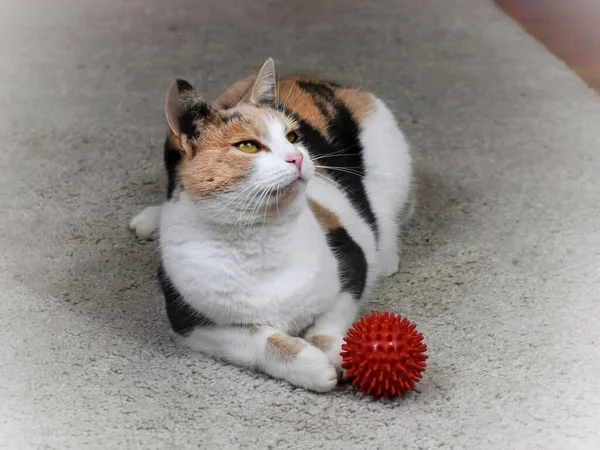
(265, 86)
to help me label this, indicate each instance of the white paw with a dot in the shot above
(335, 354)
(146, 223)
(312, 370)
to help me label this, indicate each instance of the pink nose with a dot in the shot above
(296, 159)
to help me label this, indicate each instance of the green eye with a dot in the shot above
(247, 147)
(292, 136)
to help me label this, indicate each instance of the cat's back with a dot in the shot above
(316, 101)
(324, 104)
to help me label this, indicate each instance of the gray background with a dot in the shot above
(500, 268)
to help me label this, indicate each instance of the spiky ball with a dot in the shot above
(384, 355)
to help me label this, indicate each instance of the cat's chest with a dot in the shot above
(284, 285)
(289, 296)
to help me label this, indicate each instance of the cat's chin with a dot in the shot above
(286, 194)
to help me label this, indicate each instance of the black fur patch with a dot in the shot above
(192, 117)
(182, 316)
(194, 112)
(268, 101)
(347, 153)
(233, 118)
(341, 148)
(183, 86)
(322, 109)
(353, 264)
(172, 158)
(317, 89)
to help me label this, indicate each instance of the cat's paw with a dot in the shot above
(146, 223)
(312, 370)
(331, 345)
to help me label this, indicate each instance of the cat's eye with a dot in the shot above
(247, 147)
(292, 136)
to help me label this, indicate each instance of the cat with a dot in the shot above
(283, 209)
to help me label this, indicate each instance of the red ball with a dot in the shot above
(384, 355)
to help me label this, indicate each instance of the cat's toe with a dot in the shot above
(312, 370)
(331, 345)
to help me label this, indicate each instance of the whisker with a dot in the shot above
(266, 208)
(335, 184)
(259, 204)
(342, 169)
(241, 202)
(340, 152)
(334, 154)
(257, 208)
(241, 215)
(277, 205)
(289, 93)
(261, 201)
(331, 182)
(231, 201)
(357, 168)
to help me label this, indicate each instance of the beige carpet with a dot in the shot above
(501, 267)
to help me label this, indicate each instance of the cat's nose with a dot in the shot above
(296, 159)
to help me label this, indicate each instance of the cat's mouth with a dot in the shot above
(289, 190)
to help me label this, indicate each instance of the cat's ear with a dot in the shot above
(185, 111)
(265, 86)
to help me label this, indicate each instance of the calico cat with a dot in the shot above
(283, 209)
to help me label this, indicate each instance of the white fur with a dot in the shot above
(311, 369)
(388, 178)
(237, 263)
(335, 323)
(282, 274)
(146, 223)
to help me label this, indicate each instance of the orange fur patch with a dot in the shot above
(325, 216)
(284, 346)
(305, 105)
(358, 102)
(213, 171)
(302, 103)
(239, 91)
(223, 135)
(322, 342)
(215, 167)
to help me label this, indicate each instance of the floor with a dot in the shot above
(500, 269)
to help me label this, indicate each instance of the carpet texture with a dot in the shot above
(500, 270)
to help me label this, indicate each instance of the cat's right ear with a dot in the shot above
(185, 111)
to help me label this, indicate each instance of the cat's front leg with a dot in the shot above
(146, 223)
(329, 329)
(268, 350)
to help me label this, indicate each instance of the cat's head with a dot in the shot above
(245, 159)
